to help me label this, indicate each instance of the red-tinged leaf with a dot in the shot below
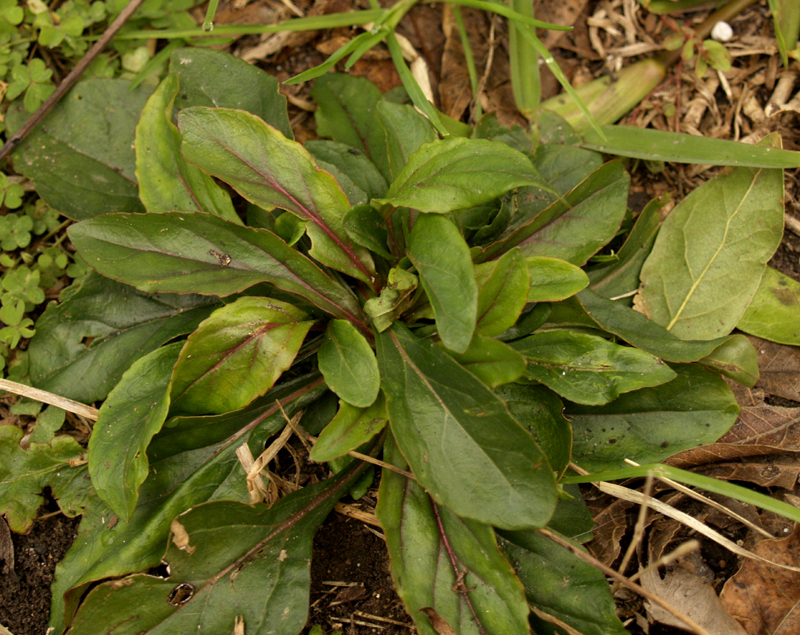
(448, 570)
(272, 171)
(178, 252)
(236, 355)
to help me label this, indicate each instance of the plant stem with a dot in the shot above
(70, 79)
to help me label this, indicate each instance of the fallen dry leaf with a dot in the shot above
(777, 470)
(439, 624)
(760, 430)
(562, 12)
(455, 92)
(691, 595)
(780, 368)
(765, 599)
(610, 525)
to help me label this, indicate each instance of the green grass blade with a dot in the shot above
(311, 23)
(470, 59)
(329, 63)
(501, 9)
(541, 49)
(208, 23)
(412, 87)
(658, 145)
(524, 63)
(367, 44)
(696, 480)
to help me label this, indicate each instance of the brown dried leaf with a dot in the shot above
(780, 368)
(561, 12)
(611, 523)
(691, 595)
(455, 92)
(778, 470)
(439, 624)
(760, 430)
(766, 599)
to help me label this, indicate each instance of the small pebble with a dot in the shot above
(722, 32)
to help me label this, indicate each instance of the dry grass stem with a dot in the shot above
(49, 398)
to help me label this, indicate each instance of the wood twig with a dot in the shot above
(70, 79)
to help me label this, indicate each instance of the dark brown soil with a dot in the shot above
(351, 587)
(25, 586)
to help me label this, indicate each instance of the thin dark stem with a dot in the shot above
(70, 79)
(459, 586)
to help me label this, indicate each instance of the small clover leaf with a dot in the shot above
(45, 218)
(11, 335)
(23, 283)
(33, 81)
(15, 231)
(12, 310)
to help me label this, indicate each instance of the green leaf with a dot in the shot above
(621, 276)
(348, 364)
(81, 156)
(178, 252)
(25, 473)
(695, 408)
(394, 298)
(133, 413)
(774, 313)
(406, 131)
(349, 430)
(446, 564)
(636, 329)
(563, 167)
(442, 259)
(237, 354)
(192, 460)
(561, 585)
(576, 226)
(365, 227)
(348, 113)
(269, 170)
(588, 369)
(711, 252)
(735, 358)
(166, 181)
(217, 79)
(503, 285)
(661, 145)
(450, 426)
(553, 279)
(84, 344)
(226, 560)
(539, 410)
(352, 162)
(456, 173)
(491, 361)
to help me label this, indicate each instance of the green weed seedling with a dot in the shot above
(433, 300)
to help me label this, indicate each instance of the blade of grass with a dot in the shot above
(412, 87)
(208, 23)
(696, 480)
(529, 34)
(329, 63)
(524, 62)
(311, 23)
(503, 10)
(470, 60)
(659, 145)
